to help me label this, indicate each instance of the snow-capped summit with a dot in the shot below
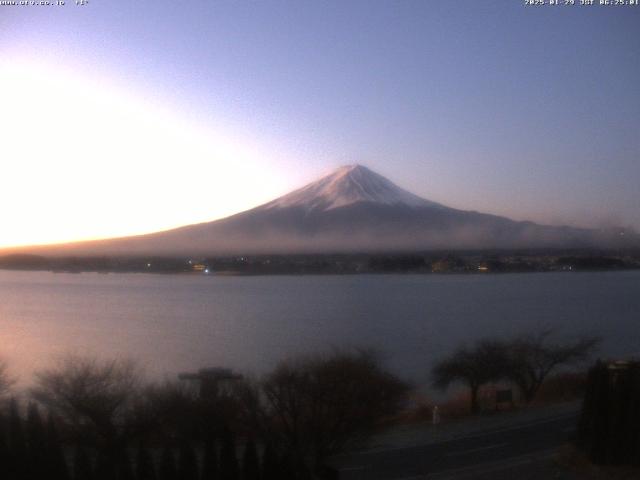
(348, 185)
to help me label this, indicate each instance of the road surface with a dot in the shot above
(496, 452)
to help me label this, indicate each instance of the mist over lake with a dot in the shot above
(173, 323)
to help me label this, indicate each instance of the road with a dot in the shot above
(467, 457)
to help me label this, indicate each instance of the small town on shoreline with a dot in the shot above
(433, 262)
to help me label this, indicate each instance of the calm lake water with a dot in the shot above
(173, 323)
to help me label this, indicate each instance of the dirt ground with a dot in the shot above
(569, 459)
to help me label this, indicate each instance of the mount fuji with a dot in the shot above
(352, 209)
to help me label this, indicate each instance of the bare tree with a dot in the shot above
(320, 405)
(476, 366)
(532, 358)
(94, 396)
(172, 409)
(6, 380)
(526, 361)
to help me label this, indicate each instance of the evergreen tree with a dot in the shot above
(36, 444)
(608, 427)
(106, 466)
(82, 467)
(288, 468)
(600, 419)
(210, 462)
(250, 462)
(270, 464)
(5, 455)
(168, 469)
(187, 462)
(228, 459)
(124, 470)
(634, 416)
(17, 445)
(56, 463)
(145, 470)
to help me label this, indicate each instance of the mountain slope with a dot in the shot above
(346, 186)
(351, 210)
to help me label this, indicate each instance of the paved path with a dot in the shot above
(423, 434)
(498, 452)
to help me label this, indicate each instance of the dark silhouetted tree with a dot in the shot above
(6, 380)
(250, 462)
(168, 470)
(270, 464)
(608, 426)
(172, 408)
(17, 443)
(145, 469)
(5, 455)
(95, 397)
(228, 458)
(210, 462)
(533, 357)
(292, 467)
(56, 462)
(187, 462)
(106, 465)
(483, 363)
(124, 469)
(36, 444)
(82, 465)
(320, 405)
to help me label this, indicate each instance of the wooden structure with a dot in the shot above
(212, 381)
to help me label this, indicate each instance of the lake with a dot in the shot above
(173, 323)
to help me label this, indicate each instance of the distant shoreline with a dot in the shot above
(473, 263)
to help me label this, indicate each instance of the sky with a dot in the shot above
(126, 117)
